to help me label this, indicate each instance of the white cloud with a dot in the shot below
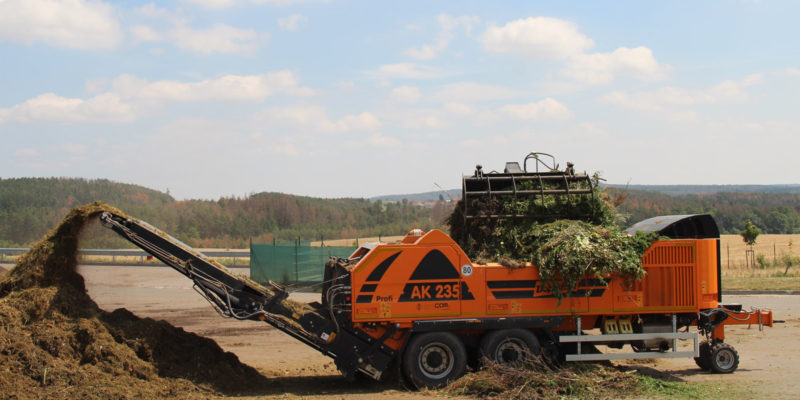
(672, 97)
(245, 88)
(753, 79)
(144, 33)
(376, 140)
(285, 3)
(361, 122)
(75, 24)
(548, 108)
(472, 143)
(316, 119)
(151, 10)
(545, 38)
(73, 148)
(656, 100)
(130, 96)
(474, 92)
(792, 71)
(406, 94)
(408, 71)
(212, 4)
(541, 38)
(51, 108)
(602, 68)
(26, 152)
(447, 24)
(282, 146)
(220, 38)
(427, 122)
(592, 130)
(292, 22)
(459, 108)
(345, 84)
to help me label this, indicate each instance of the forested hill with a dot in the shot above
(771, 212)
(30, 207)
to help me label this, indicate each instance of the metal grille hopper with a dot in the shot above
(538, 190)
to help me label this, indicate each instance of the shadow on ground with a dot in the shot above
(324, 385)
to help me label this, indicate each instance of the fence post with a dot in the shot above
(296, 249)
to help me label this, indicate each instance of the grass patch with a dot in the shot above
(655, 388)
(761, 283)
(540, 380)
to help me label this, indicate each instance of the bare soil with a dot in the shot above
(769, 366)
(291, 368)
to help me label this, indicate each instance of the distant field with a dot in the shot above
(359, 241)
(732, 248)
(736, 276)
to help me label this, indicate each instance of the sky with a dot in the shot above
(213, 98)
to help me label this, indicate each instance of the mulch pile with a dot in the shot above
(537, 379)
(56, 342)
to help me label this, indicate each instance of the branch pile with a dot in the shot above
(566, 251)
(539, 380)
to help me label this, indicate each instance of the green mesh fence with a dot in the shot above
(292, 263)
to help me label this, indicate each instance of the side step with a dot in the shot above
(629, 338)
(603, 339)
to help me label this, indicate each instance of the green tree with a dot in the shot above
(750, 233)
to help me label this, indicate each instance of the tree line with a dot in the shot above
(775, 213)
(30, 207)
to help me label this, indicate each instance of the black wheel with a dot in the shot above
(509, 346)
(551, 353)
(723, 358)
(434, 359)
(704, 361)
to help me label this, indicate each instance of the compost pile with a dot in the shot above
(56, 342)
(583, 243)
(539, 380)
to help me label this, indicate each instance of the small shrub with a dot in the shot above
(789, 261)
(762, 262)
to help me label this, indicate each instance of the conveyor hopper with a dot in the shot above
(540, 190)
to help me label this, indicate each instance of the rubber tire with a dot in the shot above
(723, 358)
(434, 343)
(704, 361)
(520, 338)
(552, 354)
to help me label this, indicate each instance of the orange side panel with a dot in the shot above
(430, 277)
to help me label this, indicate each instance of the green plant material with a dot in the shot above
(789, 261)
(583, 244)
(750, 233)
(568, 251)
(762, 261)
(779, 282)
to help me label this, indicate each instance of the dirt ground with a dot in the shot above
(769, 366)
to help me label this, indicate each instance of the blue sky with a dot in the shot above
(211, 98)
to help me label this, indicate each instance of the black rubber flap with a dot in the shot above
(697, 226)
